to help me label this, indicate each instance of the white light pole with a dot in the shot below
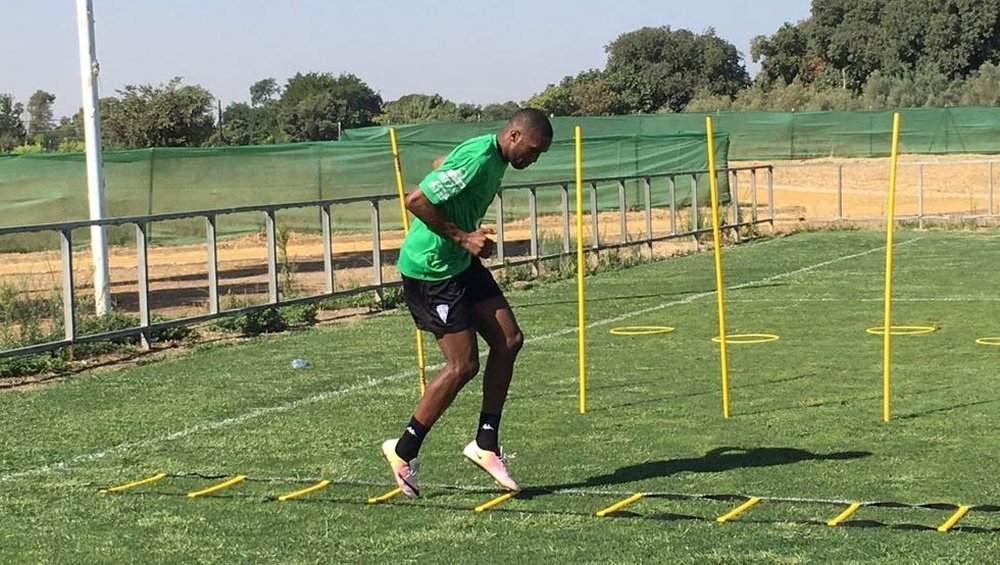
(95, 163)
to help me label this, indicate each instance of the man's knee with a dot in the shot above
(462, 371)
(512, 343)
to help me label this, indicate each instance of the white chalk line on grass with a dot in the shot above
(289, 406)
(880, 299)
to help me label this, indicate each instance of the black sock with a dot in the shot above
(409, 442)
(486, 436)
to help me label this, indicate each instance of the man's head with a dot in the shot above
(525, 137)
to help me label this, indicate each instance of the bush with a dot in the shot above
(268, 320)
(300, 315)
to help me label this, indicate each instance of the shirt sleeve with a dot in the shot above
(451, 178)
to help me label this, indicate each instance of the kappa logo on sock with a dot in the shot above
(411, 431)
(442, 311)
(487, 427)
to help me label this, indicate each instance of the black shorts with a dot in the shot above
(443, 307)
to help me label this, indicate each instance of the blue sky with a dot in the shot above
(466, 51)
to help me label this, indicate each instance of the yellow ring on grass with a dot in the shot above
(641, 330)
(902, 330)
(988, 341)
(747, 338)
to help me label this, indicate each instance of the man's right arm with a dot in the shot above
(476, 243)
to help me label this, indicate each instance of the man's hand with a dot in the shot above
(476, 243)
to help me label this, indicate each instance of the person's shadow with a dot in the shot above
(715, 461)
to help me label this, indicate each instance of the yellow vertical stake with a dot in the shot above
(719, 287)
(421, 365)
(890, 227)
(580, 269)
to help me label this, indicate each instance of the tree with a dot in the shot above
(587, 94)
(11, 127)
(983, 87)
(40, 115)
(171, 115)
(499, 112)
(315, 106)
(658, 68)
(844, 42)
(243, 124)
(783, 56)
(415, 108)
(264, 91)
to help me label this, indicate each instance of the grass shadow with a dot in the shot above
(717, 460)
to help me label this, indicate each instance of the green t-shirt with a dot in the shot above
(463, 186)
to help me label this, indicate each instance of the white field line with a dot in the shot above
(836, 299)
(309, 400)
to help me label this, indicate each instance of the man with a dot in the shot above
(452, 295)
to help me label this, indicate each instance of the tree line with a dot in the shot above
(848, 54)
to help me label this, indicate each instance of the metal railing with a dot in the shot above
(856, 191)
(650, 186)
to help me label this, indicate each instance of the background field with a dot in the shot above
(806, 424)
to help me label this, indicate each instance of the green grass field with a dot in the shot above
(806, 424)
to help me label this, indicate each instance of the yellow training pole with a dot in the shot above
(719, 288)
(619, 505)
(493, 502)
(133, 484)
(218, 487)
(847, 513)
(953, 519)
(302, 492)
(738, 510)
(421, 365)
(890, 225)
(580, 269)
(383, 497)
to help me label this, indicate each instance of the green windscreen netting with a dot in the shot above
(45, 188)
(773, 135)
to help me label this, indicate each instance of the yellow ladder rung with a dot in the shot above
(847, 513)
(218, 487)
(303, 492)
(493, 502)
(134, 484)
(738, 510)
(383, 497)
(619, 505)
(953, 519)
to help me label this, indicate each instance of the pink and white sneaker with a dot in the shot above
(405, 472)
(492, 463)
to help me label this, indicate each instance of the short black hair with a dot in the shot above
(533, 120)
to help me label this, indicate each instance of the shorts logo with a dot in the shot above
(442, 310)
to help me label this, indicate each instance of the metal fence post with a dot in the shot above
(69, 303)
(770, 195)
(595, 241)
(213, 264)
(142, 271)
(920, 196)
(326, 220)
(647, 193)
(694, 204)
(840, 191)
(501, 256)
(533, 227)
(990, 186)
(622, 212)
(734, 201)
(272, 257)
(565, 218)
(377, 248)
(673, 206)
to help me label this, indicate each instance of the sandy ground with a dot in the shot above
(804, 192)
